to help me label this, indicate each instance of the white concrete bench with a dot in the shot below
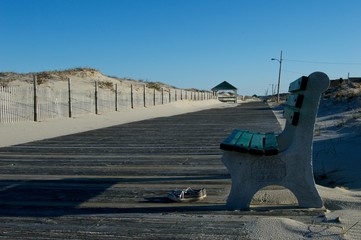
(257, 160)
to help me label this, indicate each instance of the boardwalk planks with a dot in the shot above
(112, 183)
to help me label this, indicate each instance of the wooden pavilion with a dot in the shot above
(225, 92)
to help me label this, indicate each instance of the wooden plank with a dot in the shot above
(299, 84)
(230, 141)
(112, 183)
(242, 145)
(271, 144)
(292, 115)
(257, 144)
(295, 100)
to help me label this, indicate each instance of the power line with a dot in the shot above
(291, 71)
(306, 74)
(316, 62)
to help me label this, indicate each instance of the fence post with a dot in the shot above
(144, 99)
(96, 97)
(169, 96)
(35, 99)
(154, 96)
(162, 95)
(116, 97)
(69, 98)
(131, 96)
(2, 105)
(175, 95)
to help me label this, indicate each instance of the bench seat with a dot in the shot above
(254, 143)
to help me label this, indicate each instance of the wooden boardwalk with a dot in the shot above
(111, 183)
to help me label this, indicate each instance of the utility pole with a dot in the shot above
(279, 76)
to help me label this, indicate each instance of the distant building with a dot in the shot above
(225, 92)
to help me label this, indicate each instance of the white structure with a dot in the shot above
(223, 94)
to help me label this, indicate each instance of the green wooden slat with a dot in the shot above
(244, 141)
(254, 143)
(257, 144)
(299, 84)
(295, 100)
(271, 144)
(230, 141)
(292, 115)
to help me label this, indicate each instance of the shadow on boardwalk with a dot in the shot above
(120, 175)
(65, 197)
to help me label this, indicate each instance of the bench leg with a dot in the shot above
(239, 197)
(306, 192)
(242, 190)
(250, 173)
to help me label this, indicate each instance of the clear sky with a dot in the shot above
(185, 43)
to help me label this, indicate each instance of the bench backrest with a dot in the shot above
(301, 109)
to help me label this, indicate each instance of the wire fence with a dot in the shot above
(38, 103)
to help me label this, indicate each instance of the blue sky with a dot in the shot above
(185, 43)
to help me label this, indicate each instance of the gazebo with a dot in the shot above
(225, 92)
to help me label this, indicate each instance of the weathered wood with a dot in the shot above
(131, 96)
(299, 84)
(96, 97)
(162, 95)
(292, 115)
(244, 141)
(69, 98)
(271, 145)
(295, 100)
(35, 98)
(144, 96)
(116, 97)
(254, 143)
(257, 144)
(154, 96)
(112, 182)
(231, 140)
